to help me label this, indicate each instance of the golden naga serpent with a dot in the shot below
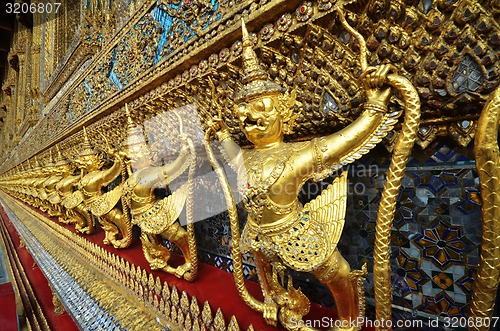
(488, 166)
(193, 250)
(239, 278)
(395, 173)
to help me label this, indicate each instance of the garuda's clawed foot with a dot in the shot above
(182, 271)
(270, 313)
(122, 243)
(63, 220)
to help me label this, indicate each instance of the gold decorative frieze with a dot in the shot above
(101, 63)
(294, 45)
(394, 73)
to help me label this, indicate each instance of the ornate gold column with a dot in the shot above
(34, 105)
(48, 45)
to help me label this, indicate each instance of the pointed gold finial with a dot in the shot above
(37, 164)
(86, 141)
(86, 146)
(130, 121)
(51, 158)
(59, 154)
(244, 30)
(252, 69)
(135, 136)
(255, 78)
(61, 160)
(85, 133)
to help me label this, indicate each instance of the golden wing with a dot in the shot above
(106, 202)
(162, 214)
(328, 209)
(317, 231)
(175, 202)
(73, 200)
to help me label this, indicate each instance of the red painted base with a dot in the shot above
(8, 315)
(38, 282)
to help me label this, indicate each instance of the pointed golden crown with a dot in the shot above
(87, 147)
(51, 159)
(135, 136)
(61, 160)
(255, 79)
(37, 165)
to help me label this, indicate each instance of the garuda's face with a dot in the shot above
(91, 162)
(140, 156)
(260, 120)
(65, 169)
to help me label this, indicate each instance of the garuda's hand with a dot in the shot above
(375, 82)
(219, 127)
(113, 152)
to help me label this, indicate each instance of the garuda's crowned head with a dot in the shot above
(265, 112)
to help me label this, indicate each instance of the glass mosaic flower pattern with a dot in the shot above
(443, 244)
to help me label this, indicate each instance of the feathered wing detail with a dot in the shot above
(175, 202)
(329, 208)
(73, 200)
(161, 215)
(106, 202)
(316, 232)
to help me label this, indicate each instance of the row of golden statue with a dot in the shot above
(280, 231)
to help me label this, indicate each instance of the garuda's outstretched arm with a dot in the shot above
(176, 167)
(110, 174)
(338, 145)
(232, 149)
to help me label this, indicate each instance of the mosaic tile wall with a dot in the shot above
(435, 238)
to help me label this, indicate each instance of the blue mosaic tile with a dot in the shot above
(409, 274)
(443, 244)
(471, 203)
(441, 305)
(466, 282)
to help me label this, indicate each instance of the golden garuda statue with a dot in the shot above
(280, 231)
(104, 206)
(27, 184)
(158, 217)
(39, 176)
(50, 171)
(62, 168)
(72, 208)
